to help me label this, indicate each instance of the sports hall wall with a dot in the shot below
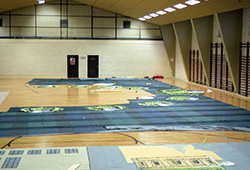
(48, 58)
(35, 42)
(229, 28)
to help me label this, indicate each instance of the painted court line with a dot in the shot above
(27, 100)
(2, 140)
(138, 135)
(105, 99)
(222, 137)
(205, 140)
(31, 89)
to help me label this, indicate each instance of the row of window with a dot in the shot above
(64, 23)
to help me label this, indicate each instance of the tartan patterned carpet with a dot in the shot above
(205, 113)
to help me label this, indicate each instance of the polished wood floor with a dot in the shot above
(23, 95)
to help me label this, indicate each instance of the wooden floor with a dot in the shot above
(23, 95)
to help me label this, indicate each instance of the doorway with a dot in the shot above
(73, 64)
(93, 66)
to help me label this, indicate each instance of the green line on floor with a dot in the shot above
(27, 100)
(138, 135)
(2, 140)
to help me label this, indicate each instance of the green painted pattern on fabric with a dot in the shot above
(41, 109)
(78, 86)
(45, 86)
(108, 87)
(181, 92)
(156, 103)
(135, 88)
(99, 108)
(178, 98)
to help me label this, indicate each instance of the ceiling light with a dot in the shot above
(41, 1)
(192, 2)
(180, 6)
(141, 19)
(161, 12)
(153, 15)
(169, 9)
(147, 17)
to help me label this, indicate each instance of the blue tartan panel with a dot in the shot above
(35, 152)
(16, 152)
(70, 151)
(11, 162)
(53, 151)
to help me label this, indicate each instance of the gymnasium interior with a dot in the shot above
(124, 85)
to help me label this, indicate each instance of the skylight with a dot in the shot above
(192, 2)
(161, 12)
(153, 15)
(147, 17)
(141, 19)
(169, 9)
(41, 1)
(180, 6)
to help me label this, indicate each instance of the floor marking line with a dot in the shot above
(136, 141)
(27, 100)
(138, 135)
(2, 140)
(8, 144)
(105, 99)
(31, 89)
(222, 137)
(205, 140)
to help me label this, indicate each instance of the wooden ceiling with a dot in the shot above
(139, 8)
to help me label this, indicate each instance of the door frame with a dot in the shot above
(76, 63)
(97, 68)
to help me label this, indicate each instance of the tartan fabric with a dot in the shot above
(204, 112)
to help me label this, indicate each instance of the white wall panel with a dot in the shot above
(104, 33)
(4, 31)
(5, 19)
(79, 22)
(28, 10)
(48, 21)
(79, 10)
(48, 10)
(104, 22)
(52, 32)
(48, 58)
(128, 33)
(23, 32)
(80, 33)
(23, 21)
